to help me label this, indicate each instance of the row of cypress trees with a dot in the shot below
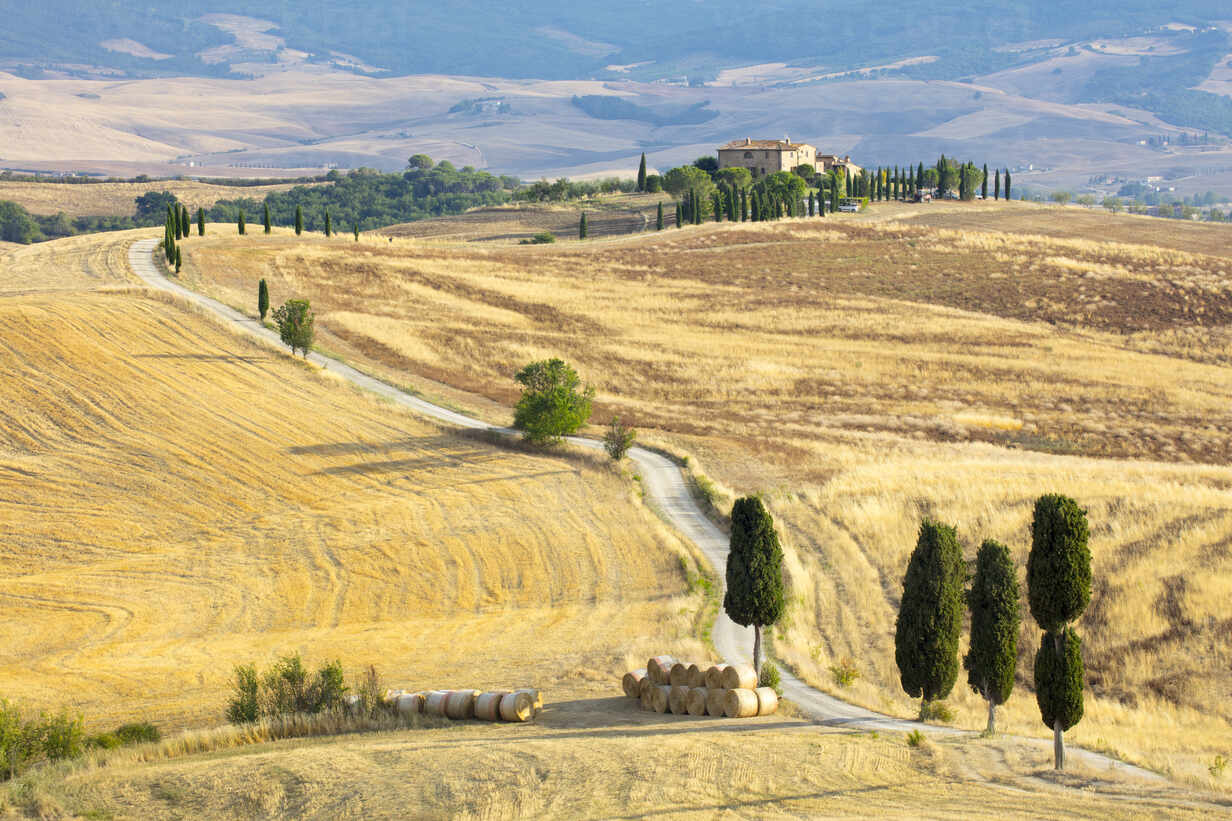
(930, 617)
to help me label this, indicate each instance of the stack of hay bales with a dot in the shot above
(667, 685)
(497, 705)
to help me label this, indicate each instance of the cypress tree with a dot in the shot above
(173, 224)
(659, 218)
(641, 174)
(355, 230)
(716, 202)
(679, 215)
(239, 223)
(200, 222)
(996, 191)
(329, 226)
(992, 658)
(744, 205)
(1007, 184)
(186, 220)
(754, 571)
(697, 208)
(582, 226)
(168, 238)
(1058, 590)
(919, 177)
(299, 220)
(984, 185)
(812, 211)
(930, 616)
(266, 219)
(262, 299)
(175, 218)
(179, 260)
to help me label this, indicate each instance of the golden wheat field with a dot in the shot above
(177, 500)
(862, 373)
(119, 198)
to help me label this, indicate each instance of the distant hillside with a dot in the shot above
(551, 39)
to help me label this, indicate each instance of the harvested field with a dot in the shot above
(177, 500)
(118, 199)
(861, 373)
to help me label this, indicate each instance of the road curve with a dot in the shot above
(666, 489)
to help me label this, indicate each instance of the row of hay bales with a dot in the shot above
(667, 685)
(497, 705)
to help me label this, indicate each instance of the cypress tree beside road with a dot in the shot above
(582, 226)
(1058, 590)
(641, 174)
(262, 299)
(266, 219)
(659, 218)
(179, 260)
(930, 615)
(992, 657)
(754, 571)
(184, 218)
(299, 220)
(200, 222)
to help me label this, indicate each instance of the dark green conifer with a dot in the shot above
(992, 657)
(582, 226)
(329, 225)
(996, 191)
(200, 222)
(659, 218)
(269, 226)
(754, 571)
(299, 220)
(930, 614)
(641, 174)
(262, 299)
(239, 223)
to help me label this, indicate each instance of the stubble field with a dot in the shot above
(118, 199)
(862, 373)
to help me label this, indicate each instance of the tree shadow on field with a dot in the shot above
(755, 803)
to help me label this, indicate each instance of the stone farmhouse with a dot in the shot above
(763, 157)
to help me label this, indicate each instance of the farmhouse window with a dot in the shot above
(748, 155)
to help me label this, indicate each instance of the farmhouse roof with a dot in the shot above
(761, 145)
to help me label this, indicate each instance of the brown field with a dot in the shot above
(862, 373)
(118, 199)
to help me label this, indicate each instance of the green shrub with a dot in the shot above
(844, 672)
(103, 741)
(141, 732)
(63, 736)
(1218, 766)
(915, 738)
(286, 689)
(770, 677)
(935, 711)
(618, 439)
(243, 707)
(328, 690)
(554, 402)
(542, 238)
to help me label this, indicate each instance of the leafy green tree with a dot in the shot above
(992, 658)
(735, 177)
(153, 204)
(1114, 204)
(262, 299)
(1061, 197)
(783, 186)
(930, 615)
(295, 322)
(641, 174)
(659, 218)
(244, 706)
(654, 184)
(685, 178)
(754, 571)
(266, 219)
(1058, 590)
(200, 222)
(553, 404)
(618, 439)
(582, 228)
(299, 220)
(420, 161)
(708, 164)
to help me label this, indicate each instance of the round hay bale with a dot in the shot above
(410, 704)
(659, 669)
(697, 676)
(353, 704)
(696, 702)
(740, 704)
(678, 699)
(517, 707)
(487, 705)
(739, 677)
(715, 697)
(434, 702)
(645, 690)
(714, 677)
(660, 698)
(536, 700)
(632, 683)
(390, 698)
(767, 700)
(460, 704)
(679, 677)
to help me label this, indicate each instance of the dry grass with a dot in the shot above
(177, 500)
(119, 198)
(862, 374)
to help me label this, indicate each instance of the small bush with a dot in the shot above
(618, 439)
(935, 711)
(141, 732)
(1218, 766)
(63, 736)
(243, 707)
(770, 677)
(844, 672)
(542, 238)
(915, 738)
(103, 741)
(285, 689)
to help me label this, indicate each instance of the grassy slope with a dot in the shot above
(865, 373)
(118, 198)
(178, 500)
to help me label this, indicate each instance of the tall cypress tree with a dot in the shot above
(299, 220)
(659, 218)
(200, 222)
(697, 208)
(992, 658)
(1007, 184)
(1058, 590)
(930, 615)
(355, 230)
(641, 174)
(239, 223)
(266, 220)
(754, 571)
(984, 185)
(919, 177)
(179, 260)
(329, 225)
(744, 205)
(186, 220)
(996, 191)
(679, 214)
(582, 226)
(262, 299)
(717, 204)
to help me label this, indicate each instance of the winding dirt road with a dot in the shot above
(666, 489)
